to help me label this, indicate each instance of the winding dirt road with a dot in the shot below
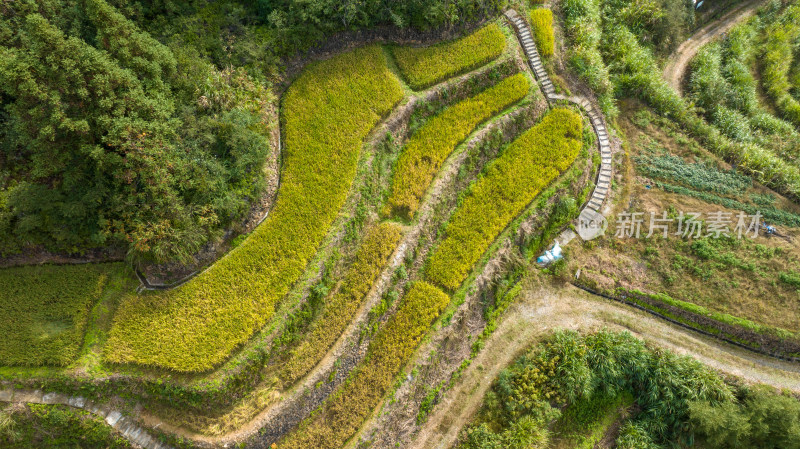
(541, 311)
(679, 60)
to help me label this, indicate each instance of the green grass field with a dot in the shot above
(327, 113)
(44, 310)
(425, 66)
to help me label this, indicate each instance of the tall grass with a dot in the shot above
(44, 310)
(345, 410)
(425, 66)
(327, 113)
(509, 184)
(426, 150)
(542, 24)
(341, 306)
(780, 42)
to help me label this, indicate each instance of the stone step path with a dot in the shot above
(114, 418)
(603, 185)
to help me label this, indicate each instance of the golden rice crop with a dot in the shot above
(425, 66)
(327, 113)
(44, 310)
(427, 149)
(341, 415)
(342, 305)
(542, 24)
(509, 184)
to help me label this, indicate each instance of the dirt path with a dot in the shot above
(539, 312)
(679, 60)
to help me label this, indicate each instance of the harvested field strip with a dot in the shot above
(328, 111)
(340, 417)
(425, 66)
(426, 150)
(44, 310)
(340, 307)
(542, 24)
(524, 168)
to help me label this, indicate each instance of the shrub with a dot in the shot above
(327, 112)
(44, 310)
(791, 278)
(425, 66)
(542, 23)
(509, 184)
(427, 149)
(342, 305)
(342, 413)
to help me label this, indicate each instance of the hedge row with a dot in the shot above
(327, 113)
(342, 414)
(509, 184)
(542, 24)
(425, 66)
(44, 311)
(342, 305)
(427, 149)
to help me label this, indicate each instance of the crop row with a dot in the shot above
(509, 184)
(779, 46)
(425, 66)
(341, 306)
(327, 112)
(639, 75)
(542, 24)
(44, 310)
(427, 149)
(340, 417)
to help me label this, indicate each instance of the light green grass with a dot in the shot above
(425, 66)
(44, 310)
(524, 168)
(426, 150)
(327, 113)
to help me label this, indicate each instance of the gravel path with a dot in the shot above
(540, 312)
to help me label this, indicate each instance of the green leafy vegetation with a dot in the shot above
(780, 44)
(542, 24)
(677, 398)
(45, 310)
(425, 66)
(509, 184)
(344, 411)
(56, 427)
(327, 113)
(340, 308)
(109, 138)
(426, 150)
